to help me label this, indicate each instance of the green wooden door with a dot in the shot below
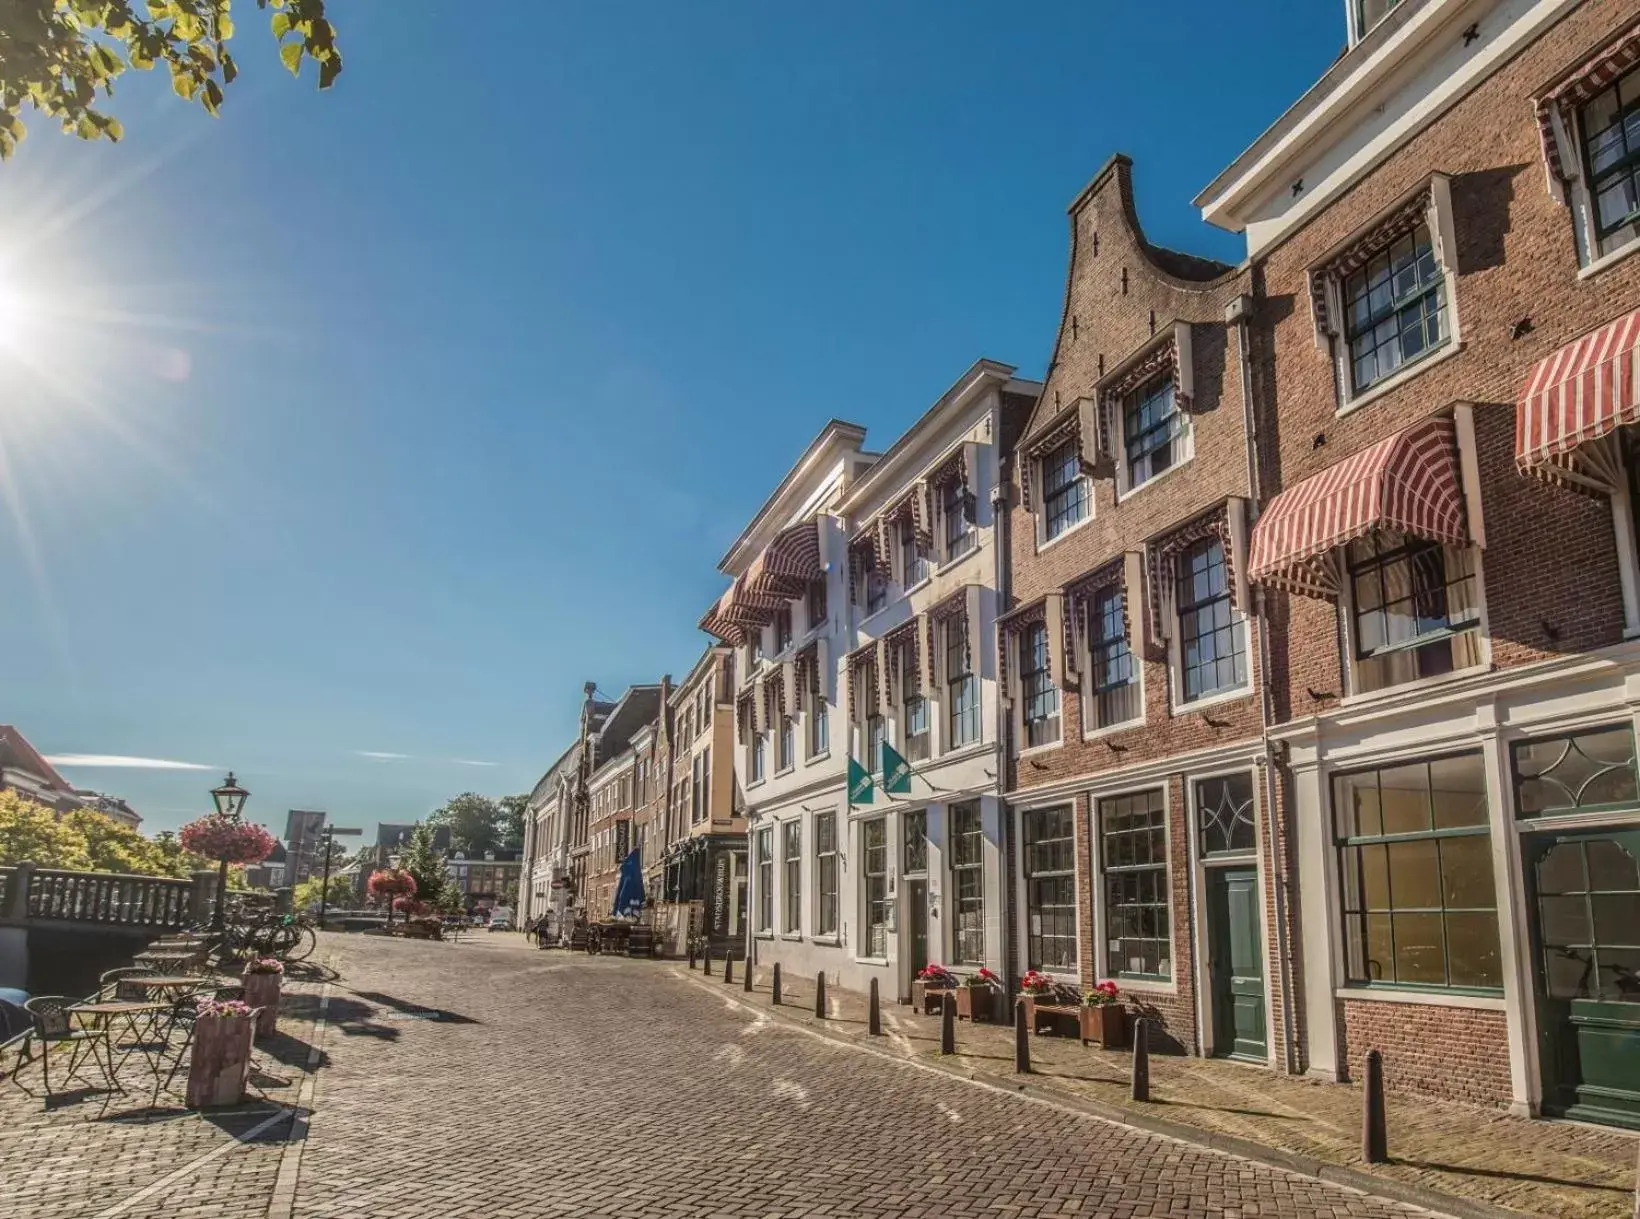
(1236, 963)
(916, 918)
(1585, 891)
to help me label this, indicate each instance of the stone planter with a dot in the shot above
(220, 1063)
(1105, 1026)
(262, 990)
(977, 1003)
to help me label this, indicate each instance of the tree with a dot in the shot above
(112, 847)
(30, 831)
(56, 55)
(510, 824)
(308, 894)
(422, 860)
(474, 822)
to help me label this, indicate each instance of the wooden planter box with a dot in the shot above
(262, 990)
(926, 998)
(977, 1003)
(1105, 1026)
(221, 1061)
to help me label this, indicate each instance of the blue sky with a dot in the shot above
(380, 420)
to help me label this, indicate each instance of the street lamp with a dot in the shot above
(230, 802)
(230, 797)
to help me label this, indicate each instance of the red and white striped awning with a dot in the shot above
(1407, 483)
(737, 610)
(1573, 400)
(1591, 77)
(787, 565)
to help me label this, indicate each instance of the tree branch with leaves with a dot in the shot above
(57, 56)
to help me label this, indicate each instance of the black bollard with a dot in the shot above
(1374, 1137)
(874, 1016)
(820, 995)
(706, 961)
(746, 982)
(1141, 1059)
(1022, 1040)
(728, 970)
(948, 1025)
(776, 983)
(691, 956)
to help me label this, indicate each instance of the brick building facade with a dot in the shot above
(1454, 693)
(1132, 663)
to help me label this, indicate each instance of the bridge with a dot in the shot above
(59, 929)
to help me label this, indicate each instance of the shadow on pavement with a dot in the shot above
(1470, 1170)
(352, 1018)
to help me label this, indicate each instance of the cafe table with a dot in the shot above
(133, 1015)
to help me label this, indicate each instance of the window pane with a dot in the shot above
(1420, 949)
(1224, 813)
(1404, 794)
(1472, 948)
(1466, 871)
(1415, 874)
(1580, 770)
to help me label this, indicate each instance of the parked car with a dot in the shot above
(501, 919)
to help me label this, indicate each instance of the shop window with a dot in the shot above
(1133, 857)
(1415, 853)
(1050, 890)
(874, 886)
(967, 885)
(1581, 772)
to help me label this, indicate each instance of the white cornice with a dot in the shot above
(836, 441)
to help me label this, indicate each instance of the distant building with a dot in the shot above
(270, 873)
(24, 771)
(112, 807)
(486, 882)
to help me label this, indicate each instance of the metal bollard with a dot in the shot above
(1374, 1136)
(874, 1015)
(746, 982)
(1022, 1040)
(948, 1025)
(706, 961)
(691, 956)
(820, 995)
(729, 970)
(776, 983)
(1141, 1059)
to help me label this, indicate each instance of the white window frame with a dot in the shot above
(821, 933)
(1443, 239)
(791, 897)
(1579, 198)
(1186, 440)
(764, 845)
(1086, 693)
(1096, 849)
(863, 952)
(1175, 644)
(1043, 541)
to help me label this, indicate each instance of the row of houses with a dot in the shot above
(1274, 656)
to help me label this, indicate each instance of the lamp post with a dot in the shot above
(327, 843)
(230, 803)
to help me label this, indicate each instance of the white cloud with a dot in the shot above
(376, 755)
(120, 762)
(470, 762)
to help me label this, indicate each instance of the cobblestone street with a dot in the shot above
(488, 1080)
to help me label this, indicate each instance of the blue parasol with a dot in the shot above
(629, 888)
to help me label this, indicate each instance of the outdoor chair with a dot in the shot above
(54, 1026)
(113, 986)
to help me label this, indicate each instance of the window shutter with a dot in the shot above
(1060, 666)
(884, 697)
(976, 658)
(1184, 367)
(1236, 521)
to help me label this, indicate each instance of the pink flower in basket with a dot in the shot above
(1035, 982)
(265, 965)
(1102, 994)
(227, 839)
(392, 882)
(223, 1007)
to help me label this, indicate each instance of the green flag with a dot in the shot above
(859, 784)
(896, 771)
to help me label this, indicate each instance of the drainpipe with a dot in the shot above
(1240, 312)
(1005, 723)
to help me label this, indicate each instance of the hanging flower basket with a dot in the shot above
(227, 840)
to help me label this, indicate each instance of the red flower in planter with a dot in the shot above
(227, 839)
(936, 975)
(1102, 994)
(1035, 983)
(392, 882)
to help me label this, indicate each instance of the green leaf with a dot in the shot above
(281, 24)
(291, 53)
(213, 96)
(183, 84)
(88, 128)
(113, 129)
(230, 70)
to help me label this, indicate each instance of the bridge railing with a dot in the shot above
(31, 894)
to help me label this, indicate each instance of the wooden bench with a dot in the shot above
(1056, 1014)
(933, 998)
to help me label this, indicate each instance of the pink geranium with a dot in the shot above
(1035, 982)
(227, 839)
(1103, 993)
(936, 975)
(222, 1007)
(392, 882)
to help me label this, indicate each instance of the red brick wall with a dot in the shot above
(1550, 562)
(1454, 1053)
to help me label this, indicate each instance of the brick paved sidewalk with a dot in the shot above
(1562, 1170)
(90, 1154)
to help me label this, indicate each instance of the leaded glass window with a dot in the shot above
(916, 841)
(1224, 815)
(1579, 772)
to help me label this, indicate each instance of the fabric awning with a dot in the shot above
(738, 609)
(1590, 78)
(1573, 400)
(1407, 482)
(787, 565)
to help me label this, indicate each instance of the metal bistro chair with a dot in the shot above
(54, 1026)
(114, 986)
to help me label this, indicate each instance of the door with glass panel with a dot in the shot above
(1585, 894)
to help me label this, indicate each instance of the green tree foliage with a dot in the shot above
(112, 847)
(56, 56)
(306, 896)
(30, 831)
(510, 824)
(423, 861)
(474, 821)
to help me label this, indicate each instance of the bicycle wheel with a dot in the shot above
(305, 943)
